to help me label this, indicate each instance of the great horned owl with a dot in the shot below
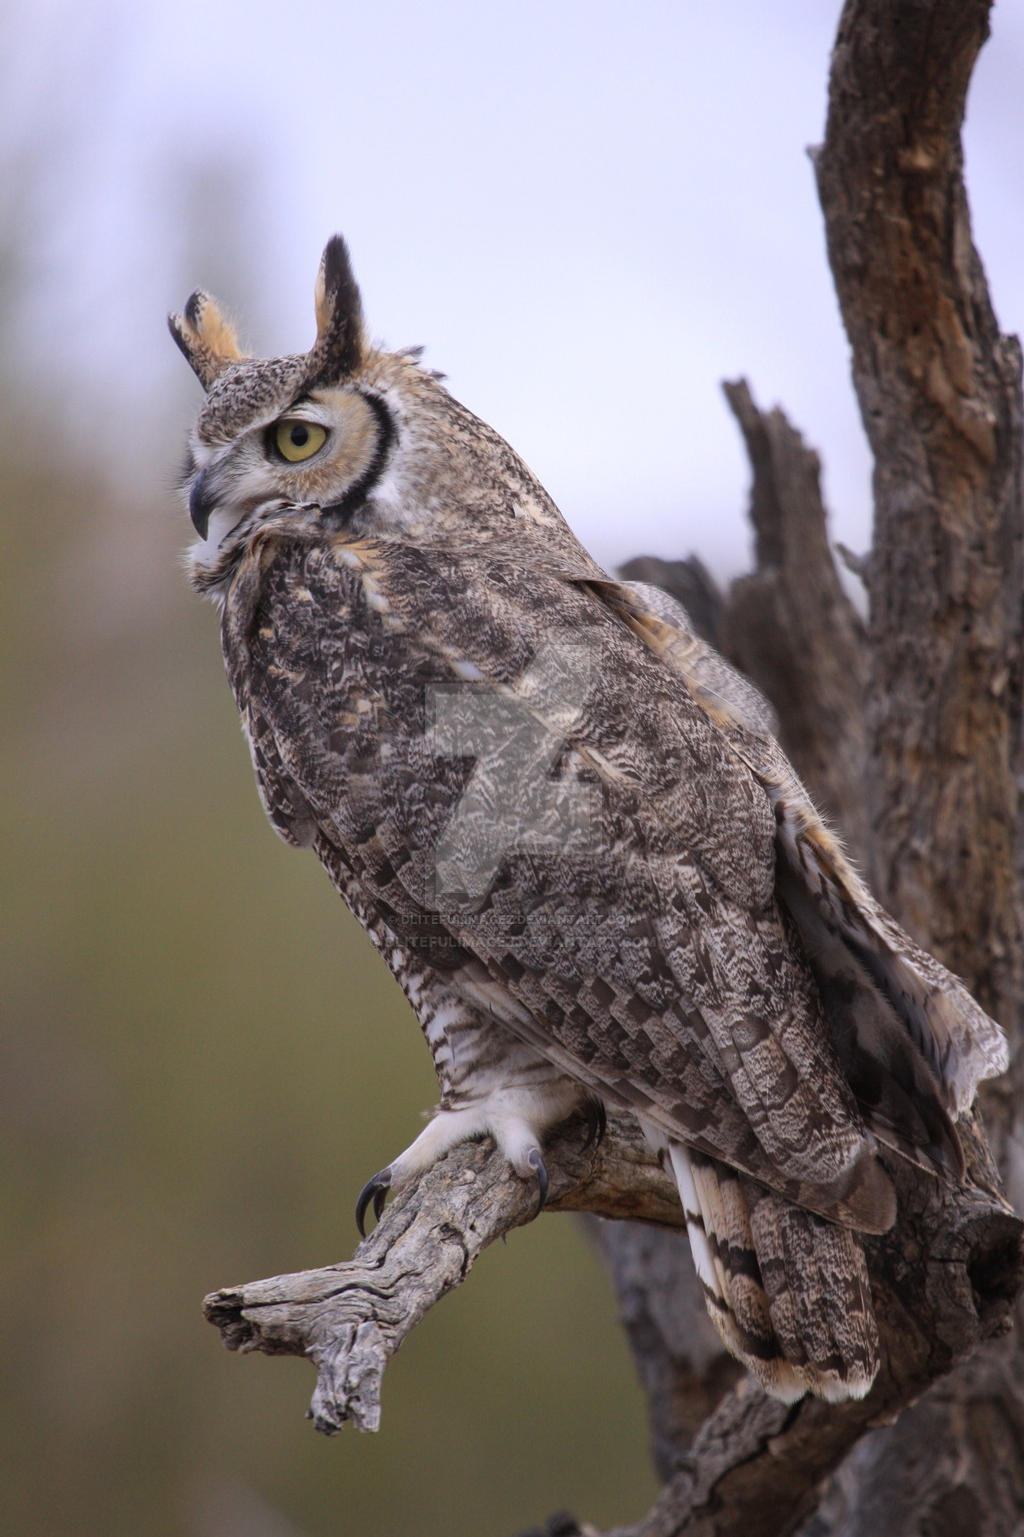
(567, 827)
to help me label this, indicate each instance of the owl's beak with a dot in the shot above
(201, 503)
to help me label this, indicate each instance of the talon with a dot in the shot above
(535, 1159)
(596, 1117)
(375, 1190)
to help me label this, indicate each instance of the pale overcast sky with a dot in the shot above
(590, 213)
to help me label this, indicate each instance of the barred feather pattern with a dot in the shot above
(959, 1042)
(787, 1291)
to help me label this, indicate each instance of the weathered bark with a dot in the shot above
(350, 1318)
(791, 627)
(933, 761)
(940, 397)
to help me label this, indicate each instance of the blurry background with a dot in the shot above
(591, 214)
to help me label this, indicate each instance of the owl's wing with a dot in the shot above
(852, 940)
(440, 712)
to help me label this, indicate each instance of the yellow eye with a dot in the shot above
(296, 440)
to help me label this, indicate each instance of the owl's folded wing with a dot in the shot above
(439, 720)
(834, 910)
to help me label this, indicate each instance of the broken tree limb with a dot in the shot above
(350, 1318)
(789, 624)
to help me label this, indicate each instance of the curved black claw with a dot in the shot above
(535, 1159)
(596, 1118)
(375, 1190)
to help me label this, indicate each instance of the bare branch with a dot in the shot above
(351, 1318)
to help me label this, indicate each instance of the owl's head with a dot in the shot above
(346, 436)
(279, 435)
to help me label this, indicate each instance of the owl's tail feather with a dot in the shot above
(787, 1290)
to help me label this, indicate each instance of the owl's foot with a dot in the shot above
(536, 1161)
(375, 1190)
(515, 1120)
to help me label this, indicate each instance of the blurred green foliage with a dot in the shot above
(202, 1060)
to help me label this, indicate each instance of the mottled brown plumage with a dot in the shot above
(567, 827)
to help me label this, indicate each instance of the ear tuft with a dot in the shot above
(206, 337)
(338, 350)
(194, 308)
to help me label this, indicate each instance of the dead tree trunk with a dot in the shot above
(940, 396)
(908, 730)
(931, 691)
